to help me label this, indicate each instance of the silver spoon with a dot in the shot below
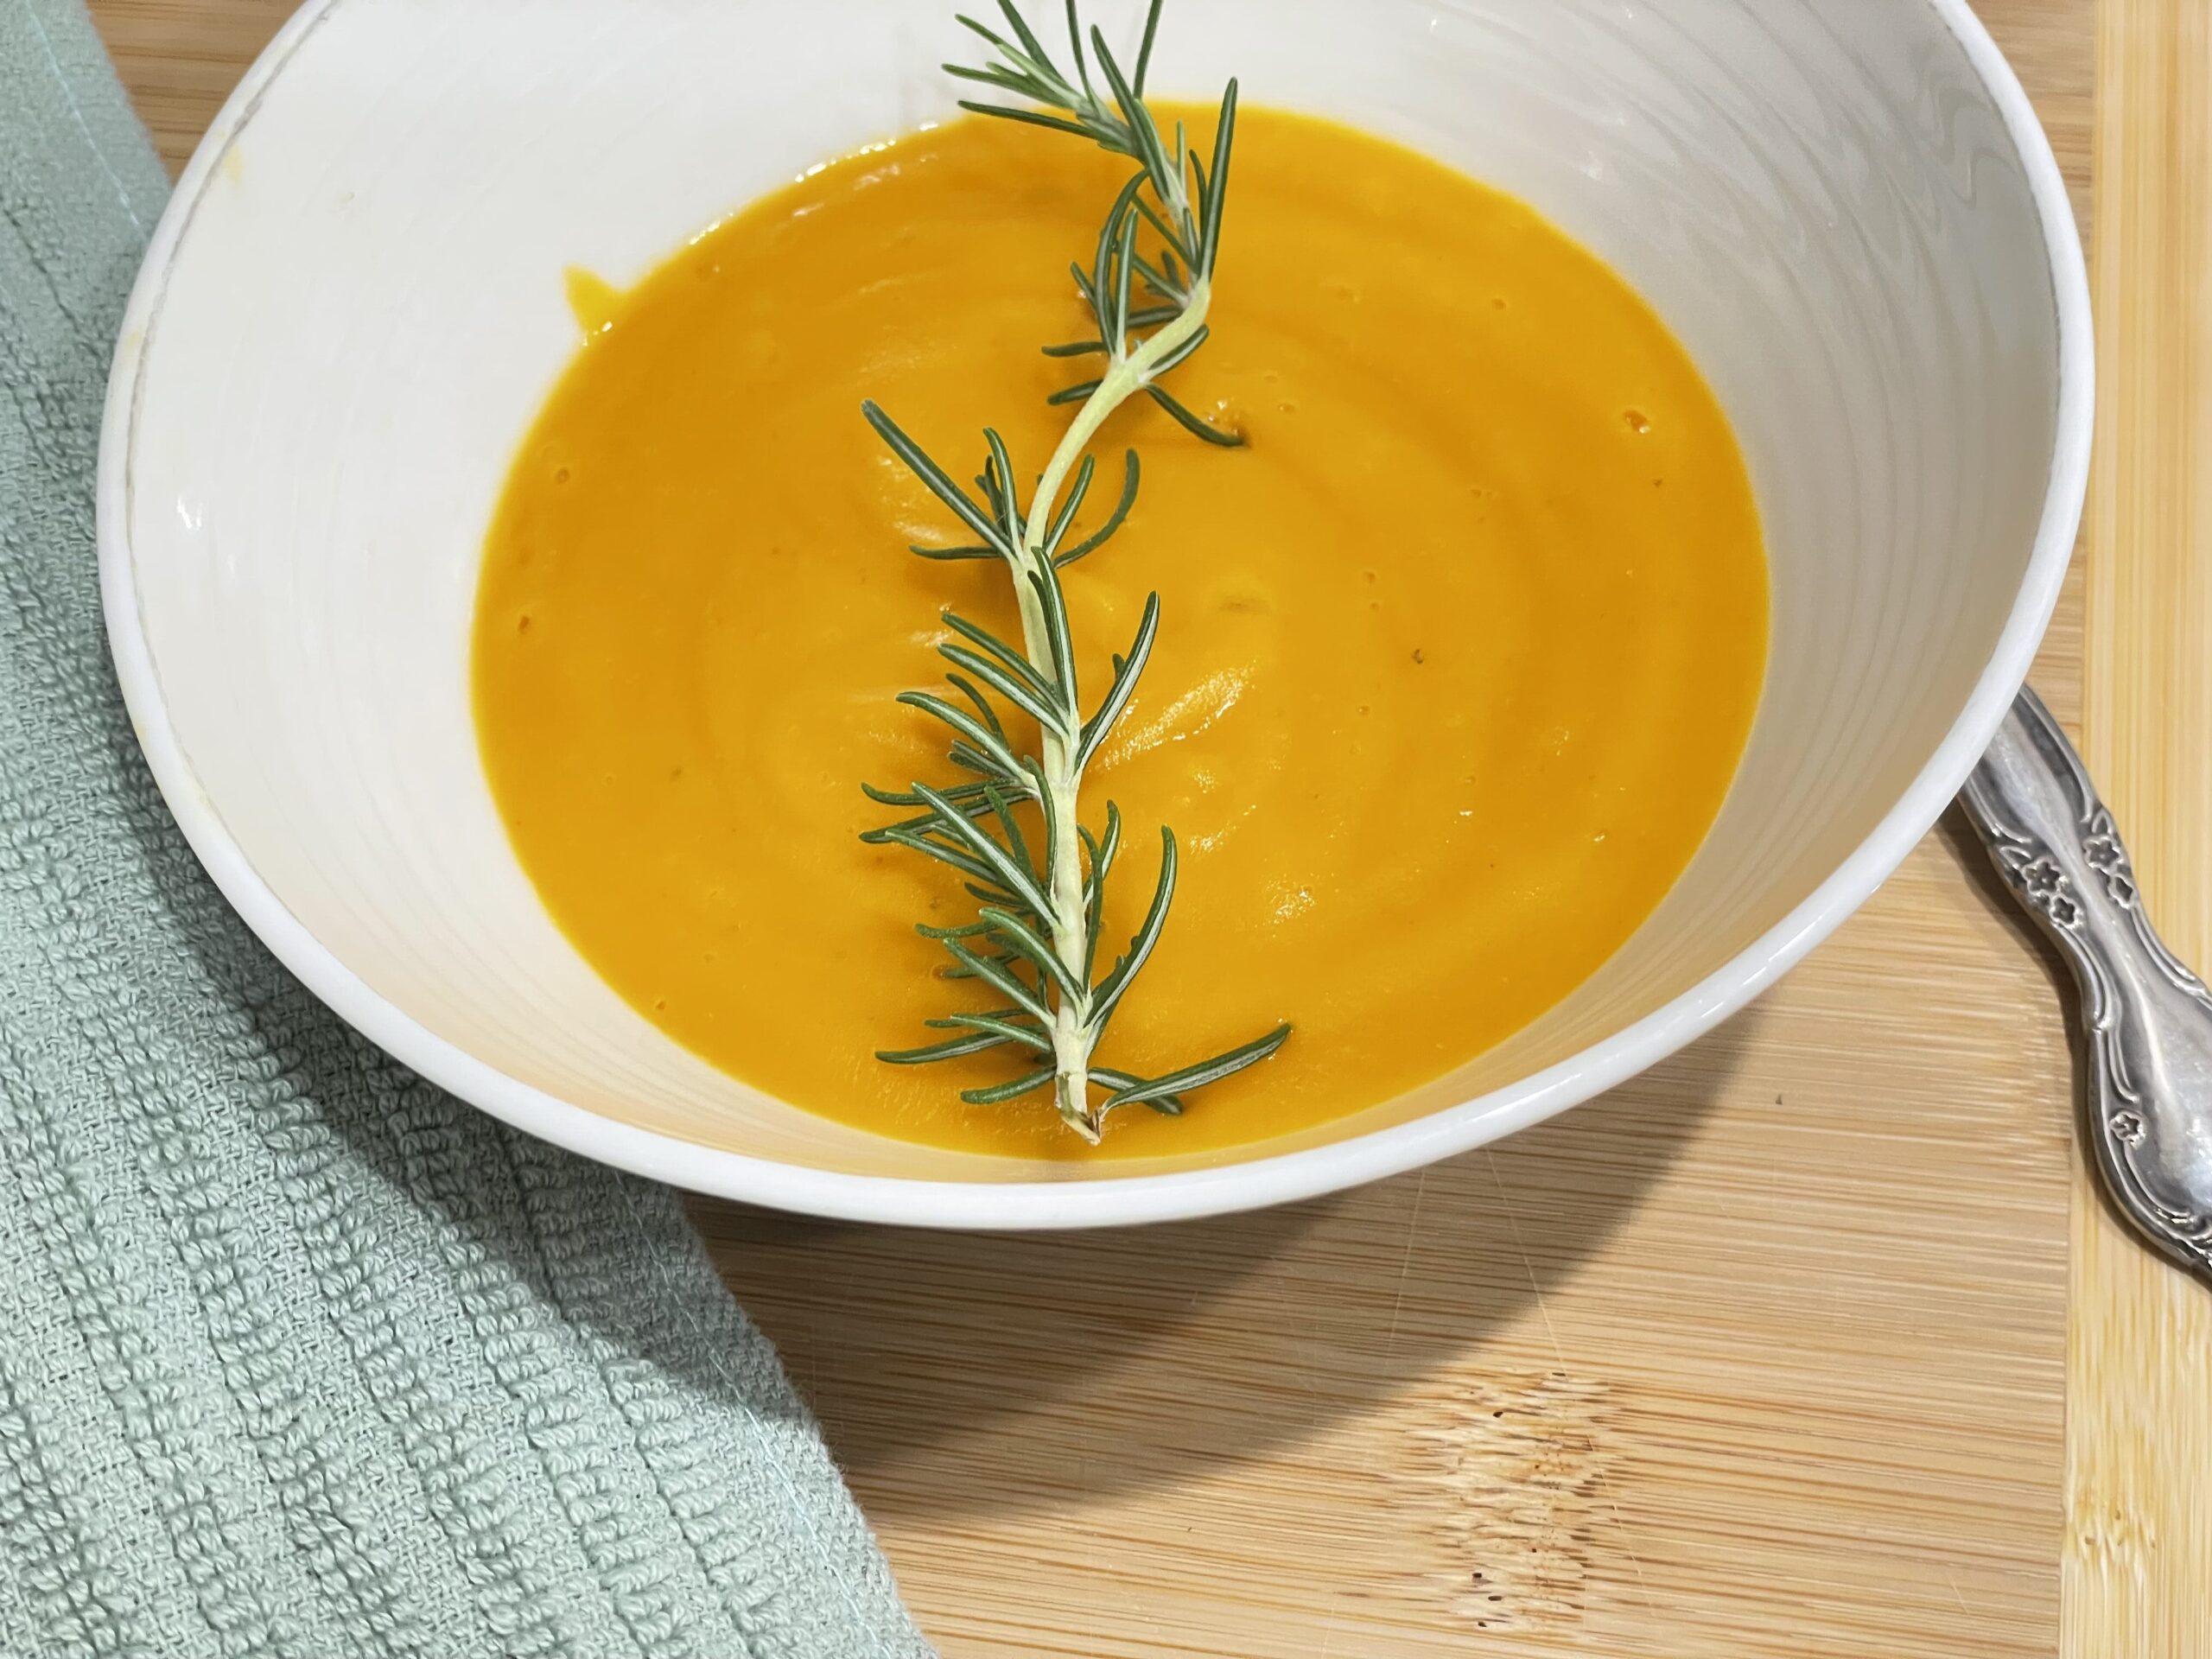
(2147, 1019)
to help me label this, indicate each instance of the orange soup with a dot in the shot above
(1457, 658)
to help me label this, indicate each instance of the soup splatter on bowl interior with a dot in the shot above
(1458, 653)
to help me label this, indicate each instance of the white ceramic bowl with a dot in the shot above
(353, 307)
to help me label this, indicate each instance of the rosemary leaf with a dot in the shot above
(934, 476)
(982, 704)
(1000, 865)
(1007, 80)
(899, 797)
(1168, 233)
(1126, 968)
(1006, 1091)
(1101, 851)
(1059, 641)
(1075, 44)
(973, 930)
(953, 1049)
(961, 754)
(994, 972)
(999, 1025)
(1078, 492)
(1144, 52)
(1103, 260)
(1016, 843)
(1029, 43)
(1101, 725)
(1000, 474)
(1183, 351)
(1165, 1105)
(1143, 134)
(1110, 844)
(1115, 519)
(891, 832)
(990, 742)
(1126, 261)
(1019, 690)
(1009, 659)
(1206, 1071)
(1193, 424)
(1158, 280)
(1025, 942)
(900, 835)
(1214, 192)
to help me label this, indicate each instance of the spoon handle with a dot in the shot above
(2147, 1018)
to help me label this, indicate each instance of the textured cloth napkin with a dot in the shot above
(297, 1354)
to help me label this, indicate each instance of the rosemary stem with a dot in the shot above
(1073, 1034)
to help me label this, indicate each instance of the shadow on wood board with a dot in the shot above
(1160, 1351)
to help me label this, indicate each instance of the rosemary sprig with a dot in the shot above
(1035, 939)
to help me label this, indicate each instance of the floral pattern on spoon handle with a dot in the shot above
(2147, 1019)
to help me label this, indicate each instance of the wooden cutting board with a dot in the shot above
(1766, 1353)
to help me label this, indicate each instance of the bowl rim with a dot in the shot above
(1251, 1183)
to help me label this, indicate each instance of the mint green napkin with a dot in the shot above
(297, 1354)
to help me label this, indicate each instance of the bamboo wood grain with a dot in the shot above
(1763, 1355)
(2138, 1569)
